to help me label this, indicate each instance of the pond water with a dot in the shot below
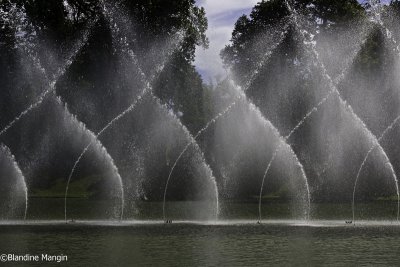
(229, 243)
(235, 240)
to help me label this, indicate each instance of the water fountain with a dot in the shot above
(122, 44)
(20, 23)
(311, 45)
(376, 17)
(27, 45)
(110, 140)
(282, 149)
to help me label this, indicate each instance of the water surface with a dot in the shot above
(194, 244)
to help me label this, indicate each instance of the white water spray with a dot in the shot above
(377, 9)
(248, 84)
(28, 48)
(101, 150)
(21, 181)
(334, 89)
(20, 16)
(122, 42)
(388, 129)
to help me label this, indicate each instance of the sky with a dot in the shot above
(222, 15)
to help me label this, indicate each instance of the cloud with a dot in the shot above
(217, 7)
(222, 15)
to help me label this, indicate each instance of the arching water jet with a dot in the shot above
(388, 129)
(20, 16)
(146, 91)
(377, 10)
(304, 119)
(333, 90)
(250, 81)
(27, 47)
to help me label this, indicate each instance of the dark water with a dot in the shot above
(205, 245)
(237, 241)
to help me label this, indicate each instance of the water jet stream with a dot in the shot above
(390, 127)
(96, 137)
(108, 125)
(104, 152)
(286, 138)
(147, 90)
(250, 81)
(334, 90)
(30, 53)
(24, 45)
(52, 84)
(6, 151)
(377, 8)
